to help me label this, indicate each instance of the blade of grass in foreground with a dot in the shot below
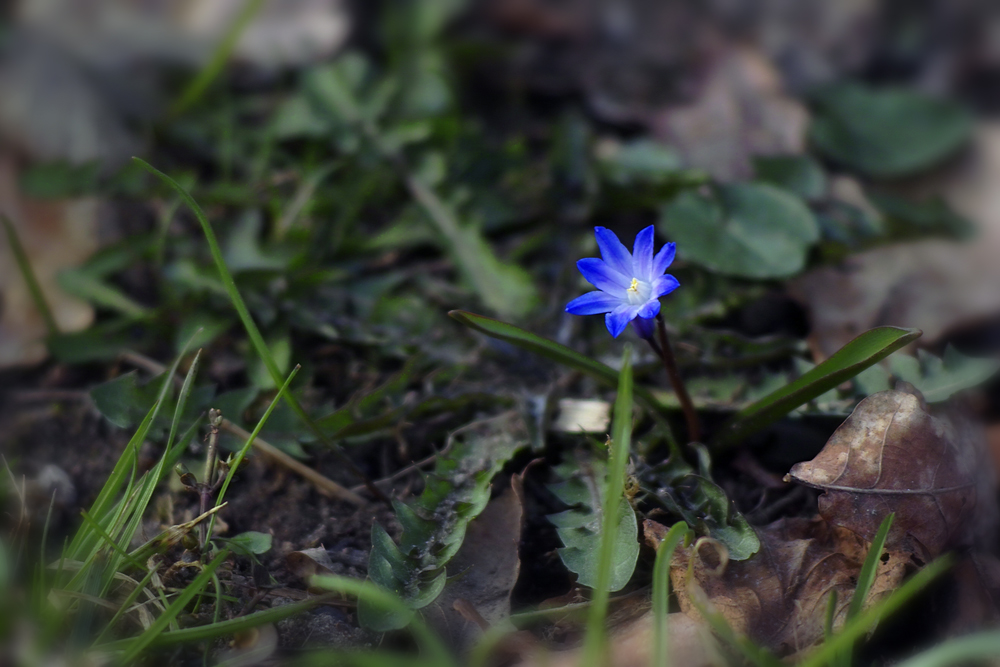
(595, 644)
(958, 651)
(865, 580)
(866, 350)
(861, 624)
(257, 340)
(176, 607)
(661, 592)
(436, 651)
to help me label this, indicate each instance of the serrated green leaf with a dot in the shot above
(434, 524)
(887, 132)
(692, 496)
(582, 488)
(751, 230)
(867, 349)
(937, 378)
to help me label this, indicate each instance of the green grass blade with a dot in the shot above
(24, 264)
(867, 349)
(125, 605)
(141, 642)
(661, 592)
(234, 466)
(551, 350)
(865, 580)
(621, 441)
(257, 340)
(861, 624)
(193, 92)
(867, 576)
(983, 645)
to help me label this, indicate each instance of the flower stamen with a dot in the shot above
(634, 287)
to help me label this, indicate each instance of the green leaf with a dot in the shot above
(579, 528)
(886, 132)
(641, 161)
(913, 219)
(250, 542)
(84, 285)
(867, 349)
(434, 525)
(693, 497)
(551, 350)
(122, 400)
(936, 378)
(60, 180)
(749, 230)
(800, 174)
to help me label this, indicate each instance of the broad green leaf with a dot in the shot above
(250, 542)
(886, 132)
(550, 350)
(579, 528)
(124, 401)
(692, 496)
(865, 350)
(937, 378)
(434, 524)
(800, 174)
(750, 230)
(640, 160)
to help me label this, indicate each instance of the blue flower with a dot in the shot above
(629, 285)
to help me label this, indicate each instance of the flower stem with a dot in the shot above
(670, 364)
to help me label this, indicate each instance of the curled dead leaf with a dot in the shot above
(891, 455)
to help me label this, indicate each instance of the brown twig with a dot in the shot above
(670, 364)
(323, 484)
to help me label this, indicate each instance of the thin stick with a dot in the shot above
(323, 484)
(208, 479)
(670, 364)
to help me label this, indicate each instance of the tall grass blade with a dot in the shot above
(621, 440)
(24, 264)
(257, 340)
(661, 592)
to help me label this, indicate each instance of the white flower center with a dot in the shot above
(638, 292)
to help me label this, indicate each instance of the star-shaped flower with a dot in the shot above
(629, 285)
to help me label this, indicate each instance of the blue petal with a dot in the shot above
(593, 303)
(603, 277)
(650, 309)
(642, 255)
(664, 258)
(613, 252)
(643, 328)
(664, 285)
(618, 319)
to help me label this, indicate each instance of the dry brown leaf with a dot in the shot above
(740, 112)
(483, 572)
(932, 285)
(307, 563)
(56, 235)
(891, 455)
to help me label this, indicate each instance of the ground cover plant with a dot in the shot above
(499, 333)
